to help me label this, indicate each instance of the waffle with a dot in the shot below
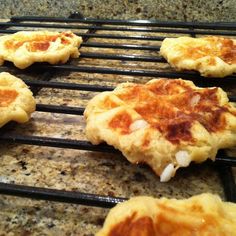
(16, 100)
(211, 56)
(24, 48)
(163, 123)
(200, 215)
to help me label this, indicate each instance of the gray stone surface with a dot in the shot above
(202, 10)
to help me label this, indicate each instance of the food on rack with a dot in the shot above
(211, 56)
(164, 123)
(204, 214)
(25, 47)
(16, 100)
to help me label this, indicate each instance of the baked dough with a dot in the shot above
(25, 47)
(164, 123)
(201, 215)
(211, 56)
(16, 100)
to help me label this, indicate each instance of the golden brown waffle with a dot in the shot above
(24, 48)
(200, 215)
(164, 123)
(16, 100)
(211, 56)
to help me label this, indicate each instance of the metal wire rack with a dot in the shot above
(223, 162)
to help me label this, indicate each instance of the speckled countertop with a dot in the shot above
(216, 10)
(99, 173)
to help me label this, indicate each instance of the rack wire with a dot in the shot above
(223, 162)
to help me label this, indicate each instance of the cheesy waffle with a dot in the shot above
(200, 215)
(24, 48)
(211, 56)
(16, 100)
(164, 123)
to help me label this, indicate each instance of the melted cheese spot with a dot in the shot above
(220, 47)
(164, 106)
(167, 173)
(121, 122)
(183, 159)
(138, 124)
(134, 227)
(17, 42)
(7, 97)
(38, 46)
(194, 100)
(109, 103)
(37, 42)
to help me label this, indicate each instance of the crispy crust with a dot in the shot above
(16, 100)
(175, 116)
(25, 47)
(200, 215)
(211, 56)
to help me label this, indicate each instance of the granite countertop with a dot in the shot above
(216, 10)
(99, 173)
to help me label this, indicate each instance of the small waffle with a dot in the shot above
(25, 47)
(211, 56)
(164, 123)
(200, 215)
(16, 100)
